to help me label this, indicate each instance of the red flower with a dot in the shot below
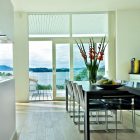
(96, 53)
(84, 56)
(91, 56)
(100, 56)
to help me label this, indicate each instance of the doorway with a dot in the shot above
(49, 67)
(40, 70)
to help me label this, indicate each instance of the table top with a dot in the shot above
(97, 92)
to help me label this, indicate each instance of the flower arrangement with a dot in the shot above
(96, 54)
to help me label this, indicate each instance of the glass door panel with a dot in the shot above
(62, 68)
(79, 67)
(40, 70)
(80, 70)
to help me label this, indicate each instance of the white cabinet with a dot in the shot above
(136, 79)
(7, 110)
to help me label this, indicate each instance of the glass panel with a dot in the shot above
(40, 70)
(6, 60)
(45, 25)
(62, 67)
(80, 70)
(89, 25)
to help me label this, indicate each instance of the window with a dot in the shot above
(60, 25)
(6, 60)
(80, 70)
(62, 29)
(87, 25)
(45, 25)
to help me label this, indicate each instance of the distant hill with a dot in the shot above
(40, 70)
(5, 68)
(62, 70)
(57, 70)
(48, 70)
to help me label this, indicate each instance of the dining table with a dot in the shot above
(94, 92)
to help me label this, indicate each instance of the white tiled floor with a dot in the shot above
(48, 120)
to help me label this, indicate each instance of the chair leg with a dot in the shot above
(70, 105)
(79, 117)
(133, 120)
(121, 116)
(98, 116)
(116, 123)
(73, 111)
(106, 120)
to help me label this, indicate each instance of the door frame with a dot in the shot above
(55, 42)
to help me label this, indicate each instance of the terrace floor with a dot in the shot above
(39, 95)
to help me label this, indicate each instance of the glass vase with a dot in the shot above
(92, 73)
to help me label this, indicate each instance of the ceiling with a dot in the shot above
(73, 5)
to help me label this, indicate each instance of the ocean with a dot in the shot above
(46, 78)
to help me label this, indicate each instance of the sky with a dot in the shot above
(6, 54)
(40, 55)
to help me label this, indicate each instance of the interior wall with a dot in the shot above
(127, 41)
(7, 18)
(21, 57)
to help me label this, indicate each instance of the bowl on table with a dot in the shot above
(108, 84)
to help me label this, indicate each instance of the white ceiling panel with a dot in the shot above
(73, 5)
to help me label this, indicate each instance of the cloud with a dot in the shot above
(6, 54)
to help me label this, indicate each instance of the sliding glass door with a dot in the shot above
(49, 65)
(61, 68)
(40, 70)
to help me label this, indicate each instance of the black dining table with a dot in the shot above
(93, 92)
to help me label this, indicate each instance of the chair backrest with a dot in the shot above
(69, 87)
(33, 84)
(75, 92)
(81, 95)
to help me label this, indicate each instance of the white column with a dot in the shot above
(111, 46)
(21, 56)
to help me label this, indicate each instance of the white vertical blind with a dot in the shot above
(89, 24)
(44, 25)
(53, 25)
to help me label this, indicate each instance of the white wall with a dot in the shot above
(7, 110)
(21, 57)
(6, 18)
(127, 41)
